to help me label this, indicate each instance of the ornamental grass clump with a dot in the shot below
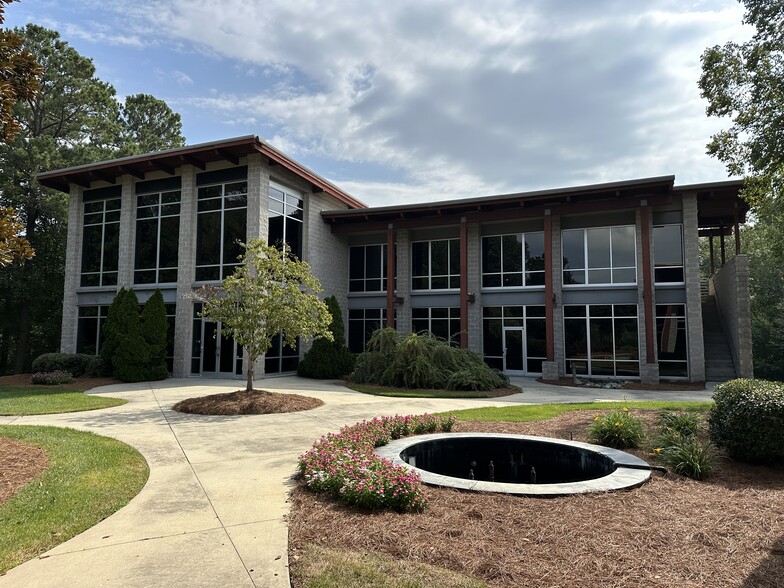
(676, 443)
(617, 429)
(345, 465)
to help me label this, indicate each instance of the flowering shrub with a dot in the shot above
(52, 378)
(617, 429)
(345, 466)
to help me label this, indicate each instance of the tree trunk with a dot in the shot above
(249, 383)
(23, 339)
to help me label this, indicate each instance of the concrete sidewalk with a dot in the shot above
(213, 510)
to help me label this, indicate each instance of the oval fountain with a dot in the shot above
(516, 464)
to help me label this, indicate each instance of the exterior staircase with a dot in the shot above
(718, 358)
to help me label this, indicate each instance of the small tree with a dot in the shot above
(154, 327)
(271, 293)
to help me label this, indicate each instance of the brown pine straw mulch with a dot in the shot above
(19, 463)
(79, 383)
(244, 402)
(727, 531)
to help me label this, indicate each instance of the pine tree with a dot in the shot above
(132, 353)
(111, 329)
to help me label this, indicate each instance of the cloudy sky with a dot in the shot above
(423, 99)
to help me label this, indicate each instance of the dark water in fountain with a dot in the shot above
(510, 460)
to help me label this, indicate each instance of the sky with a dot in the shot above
(421, 100)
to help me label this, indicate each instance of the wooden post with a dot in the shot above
(391, 276)
(549, 295)
(712, 257)
(647, 287)
(463, 283)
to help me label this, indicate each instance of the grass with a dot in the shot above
(88, 478)
(421, 393)
(540, 412)
(27, 400)
(333, 568)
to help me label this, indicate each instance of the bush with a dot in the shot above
(328, 359)
(154, 327)
(617, 429)
(690, 457)
(345, 465)
(423, 361)
(132, 353)
(52, 378)
(76, 364)
(684, 423)
(747, 419)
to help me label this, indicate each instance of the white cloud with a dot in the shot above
(471, 98)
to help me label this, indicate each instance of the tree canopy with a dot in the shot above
(73, 118)
(745, 82)
(270, 293)
(19, 74)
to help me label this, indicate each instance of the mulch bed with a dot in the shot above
(19, 463)
(725, 531)
(244, 402)
(663, 386)
(79, 383)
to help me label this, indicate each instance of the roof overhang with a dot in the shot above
(200, 155)
(719, 205)
(579, 199)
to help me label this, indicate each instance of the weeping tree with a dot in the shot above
(271, 293)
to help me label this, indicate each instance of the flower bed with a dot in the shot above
(345, 466)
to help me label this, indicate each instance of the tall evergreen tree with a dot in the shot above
(73, 119)
(154, 327)
(132, 355)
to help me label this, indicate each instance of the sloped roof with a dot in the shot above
(197, 155)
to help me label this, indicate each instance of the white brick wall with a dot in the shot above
(73, 258)
(691, 269)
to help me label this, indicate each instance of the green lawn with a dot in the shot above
(24, 400)
(418, 393)
(88, 478)
(540, 412)
(321, 567)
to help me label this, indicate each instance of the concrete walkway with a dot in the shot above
(213, 510)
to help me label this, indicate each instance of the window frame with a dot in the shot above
(364, 279)
(292, 201)
(524, 271)
(682, 325)
(221, 265)
(157, 269)
(380, 320)
(430, 276)
(668, 267)
(586, 256)
(102, 273)
(453, 315)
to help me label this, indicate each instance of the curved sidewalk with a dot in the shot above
(213, 511)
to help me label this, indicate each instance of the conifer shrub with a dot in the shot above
(154, 328)
(422, 361)
(111, 331)
(747, 419)
(328, 359)
(132, 353)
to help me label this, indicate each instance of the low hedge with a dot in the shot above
(76, 364)
(747, 419)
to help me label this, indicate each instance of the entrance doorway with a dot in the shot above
(221, 356)
(514, 351)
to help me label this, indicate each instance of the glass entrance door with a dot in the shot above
(220, 354)
(514, 351)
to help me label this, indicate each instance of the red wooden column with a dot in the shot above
(391, 270)
(737, 229)
(463, 283)
(647, 287)
(549, 295)
(721, 238)
(712, 257)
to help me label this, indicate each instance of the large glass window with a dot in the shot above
(603, 255)
(220, 227)
(668, 254)
(157, 237)
(100, 242)
(89, 335)
(495, 319)
(441, 322)
(285, 219)
(361, 324)
(602, 339)
(513, 260)
(671, 340)
(281, 358)
(367, 268)
(435, 265)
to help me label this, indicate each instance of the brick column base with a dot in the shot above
(649, 373)
(550, 370)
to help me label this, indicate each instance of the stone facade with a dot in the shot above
(730, 285)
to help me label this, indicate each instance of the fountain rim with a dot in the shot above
(621, 478)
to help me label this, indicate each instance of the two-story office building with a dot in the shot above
(603, 280)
